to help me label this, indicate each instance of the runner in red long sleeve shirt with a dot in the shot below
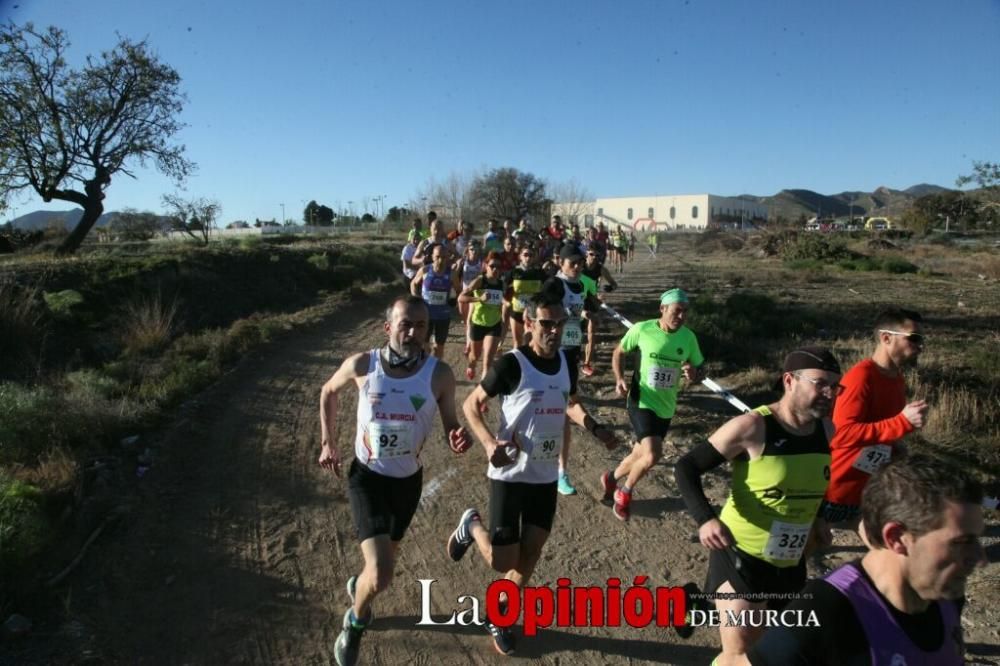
(871, 415)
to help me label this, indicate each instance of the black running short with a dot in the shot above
(438, 330)
(834, 513)
(478, 333)
(382, 504)
(517, 316)
(645, 422)
(750, 575)
(513, 503)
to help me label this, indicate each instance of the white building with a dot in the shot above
(692, 212)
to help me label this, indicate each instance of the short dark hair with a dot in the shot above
(546, 298)
(431, 216)
(913, 491)
(895, 317)
(409, 301)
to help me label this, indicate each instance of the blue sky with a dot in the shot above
(346, 101)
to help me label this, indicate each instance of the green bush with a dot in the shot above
(320, 262)
(91, 382)
(61, 303)
(27, 421)
(898, 265)
(24, 527)
(815, 246)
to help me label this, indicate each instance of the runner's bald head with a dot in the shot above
(402, 304)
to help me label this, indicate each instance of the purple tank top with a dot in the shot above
(435, 293)
(888, 643)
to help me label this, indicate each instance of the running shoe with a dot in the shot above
(622, 501)
(470, 374)
(461, 538)
(345, 650)
(694, 602)
(587, 369)
(609, 486)
(565, 487)
(503, 638)
(352, 588)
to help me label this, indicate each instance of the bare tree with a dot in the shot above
(450, 199)
(571, 200)
(65, 132)
(195, 217)
(508, 192)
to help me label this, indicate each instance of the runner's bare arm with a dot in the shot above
(472, 405)
(606, 274)
(466, 295)
(417, 282)
(349, 371)
(443, 385)
(418, 258)
(578, 415)
(456, 282)
(621, 387)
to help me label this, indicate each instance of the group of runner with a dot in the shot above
(794, 470)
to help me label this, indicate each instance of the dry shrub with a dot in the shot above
(56, 473)
(956, 413)
(148, 324)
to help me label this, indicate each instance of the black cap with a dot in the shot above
(805, 358)
(570, 251)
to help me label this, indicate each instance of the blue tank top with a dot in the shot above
(435, 293)
(888, 643)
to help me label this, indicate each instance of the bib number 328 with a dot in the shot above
(786, 540)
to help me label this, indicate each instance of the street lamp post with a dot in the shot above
(282, 214)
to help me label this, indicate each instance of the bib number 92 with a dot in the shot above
(389, 440)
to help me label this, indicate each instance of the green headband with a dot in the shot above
(673, 296)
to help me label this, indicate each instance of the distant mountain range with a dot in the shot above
(43, 219)
(883, 201)
(789, 204)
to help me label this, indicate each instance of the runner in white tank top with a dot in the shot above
(400, 389)
(538, 389)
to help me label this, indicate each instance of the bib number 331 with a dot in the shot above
(662, 378)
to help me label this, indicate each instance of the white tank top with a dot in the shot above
(572, 335)
(394, 418)
(535, 414)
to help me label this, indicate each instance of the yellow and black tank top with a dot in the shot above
(775, 498)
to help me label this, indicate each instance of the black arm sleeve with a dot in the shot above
(687, 474)
(502, 377)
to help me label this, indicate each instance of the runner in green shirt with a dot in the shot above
(668, 350)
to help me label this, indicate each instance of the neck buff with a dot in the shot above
(397, 360)
(563, 276)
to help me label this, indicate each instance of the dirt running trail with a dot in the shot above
(237, 547)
